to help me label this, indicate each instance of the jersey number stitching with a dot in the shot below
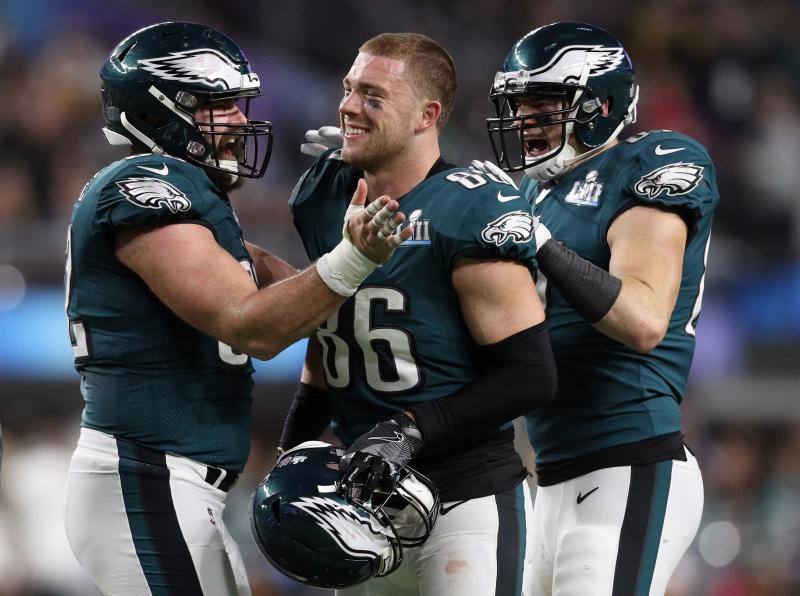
(398, 342)
(226, 353)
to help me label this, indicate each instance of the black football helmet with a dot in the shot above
(154, 81)
(312, 534)
(583, 65)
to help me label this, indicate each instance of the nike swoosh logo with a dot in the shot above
(581, 497)
(503, 198)
(445, 510)
(397, 438)
(660, 151)
(162, 171)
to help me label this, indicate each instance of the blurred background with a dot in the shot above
(726, 72)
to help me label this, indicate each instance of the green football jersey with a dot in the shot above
(147, 375)
(609, 394)
(401, 339)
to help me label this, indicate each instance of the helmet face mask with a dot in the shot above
(155, 81)
(412, 506)
(312, 534)
(508, 131)
(251, 143)
(580, 63)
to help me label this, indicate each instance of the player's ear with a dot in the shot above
(431, 110)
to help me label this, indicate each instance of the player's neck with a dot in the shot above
(403, 173)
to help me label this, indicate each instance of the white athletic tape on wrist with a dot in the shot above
(344, 268)
(542, 234)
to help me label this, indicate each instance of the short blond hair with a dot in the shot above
(432, 70)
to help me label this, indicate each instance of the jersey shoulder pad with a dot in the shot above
(482, 218)
(153, 189)
(669, 169)
(319, 200)
(328, 177)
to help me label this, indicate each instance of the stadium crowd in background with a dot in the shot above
(722, 72)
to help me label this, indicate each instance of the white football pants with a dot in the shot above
(617, 531)
(143, 522)
(477, 548)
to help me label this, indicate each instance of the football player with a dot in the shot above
(622, 238)
(164, 313)
(444, 344)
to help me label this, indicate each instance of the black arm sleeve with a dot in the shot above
(308, 417)
(588, 289)
(518, 374)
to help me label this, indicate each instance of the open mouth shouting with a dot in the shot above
(231, 149)
(536, 145)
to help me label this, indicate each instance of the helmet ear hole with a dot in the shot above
(124, 52)
(276, 509)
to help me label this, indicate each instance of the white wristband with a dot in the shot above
(344, 268)
(541, 234)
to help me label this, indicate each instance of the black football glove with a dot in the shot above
(375, 457)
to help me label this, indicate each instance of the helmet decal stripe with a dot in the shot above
(203, 65)
(579, 62)
(358, 535)
(570, 60)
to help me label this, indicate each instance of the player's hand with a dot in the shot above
(369, 236)
(375, 457)
(322, 139)
(491, 171)
(372, 230)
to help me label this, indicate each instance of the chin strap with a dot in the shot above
(566, 157)
(143, 138)
(553, 167)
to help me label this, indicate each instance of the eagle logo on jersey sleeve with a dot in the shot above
(152, 193)
(203, 65)
(674, 179)
(517, 226)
